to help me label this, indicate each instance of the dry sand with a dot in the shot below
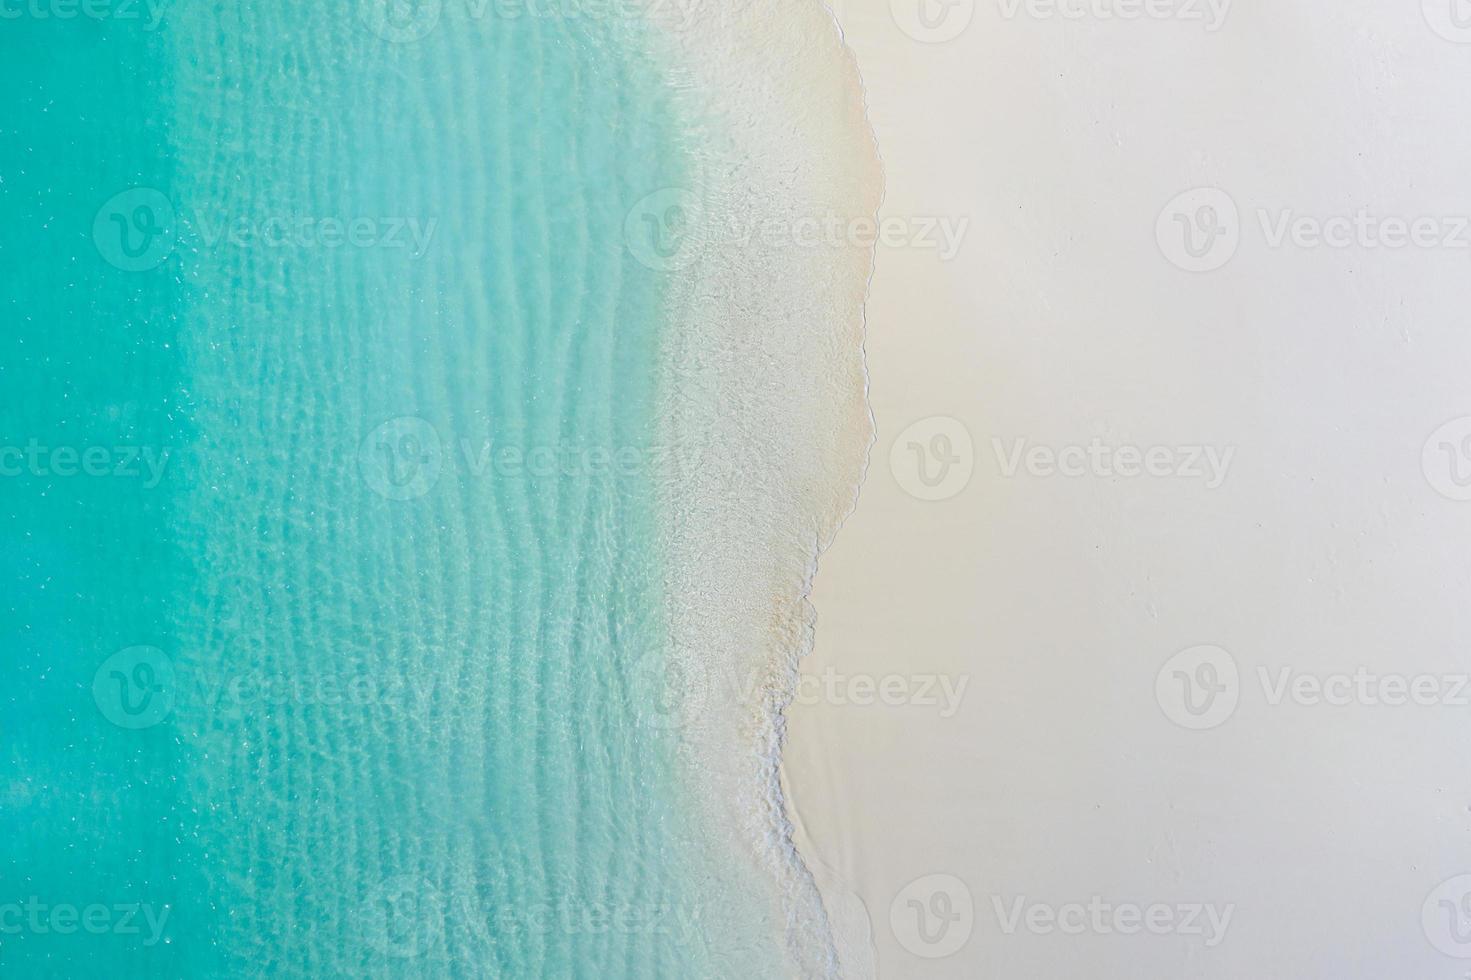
(1068, 798)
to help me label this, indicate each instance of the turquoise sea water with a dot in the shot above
(333, 634)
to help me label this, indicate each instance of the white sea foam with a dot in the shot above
(764, 389)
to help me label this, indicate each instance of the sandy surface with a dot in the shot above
(1086, 733)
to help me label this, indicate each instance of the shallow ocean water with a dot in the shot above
(335, 637)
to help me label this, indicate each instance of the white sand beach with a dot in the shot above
(1134, 687)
